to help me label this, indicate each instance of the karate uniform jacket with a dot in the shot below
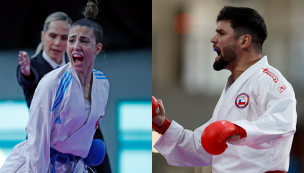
(262, 102)
(58, 120)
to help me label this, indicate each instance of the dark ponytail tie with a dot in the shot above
(89, 18)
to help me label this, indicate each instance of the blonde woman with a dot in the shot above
(49, 54)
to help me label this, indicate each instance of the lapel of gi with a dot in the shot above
(230, 96)
(98, 100)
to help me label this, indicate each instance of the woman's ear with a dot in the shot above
(98, 48)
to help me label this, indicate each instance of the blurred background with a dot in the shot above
(182, 72)
(126, 60)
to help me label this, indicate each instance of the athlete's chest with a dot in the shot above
(72, 115)
(238, 103)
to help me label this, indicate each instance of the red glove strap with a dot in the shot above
(241, 131)
(163, 128)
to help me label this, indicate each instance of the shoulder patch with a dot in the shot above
(64, 83)
(273, 76)
(242, 100)
(99, 75)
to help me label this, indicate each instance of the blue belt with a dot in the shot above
(62, 158)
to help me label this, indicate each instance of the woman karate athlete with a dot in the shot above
(49, 56)
(67, 107)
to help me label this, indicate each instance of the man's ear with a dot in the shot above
(245, 41)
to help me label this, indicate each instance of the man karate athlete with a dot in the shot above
(253, 124)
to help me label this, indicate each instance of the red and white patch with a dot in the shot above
(282, 88)
(273, 76)
(98, 122)
(242, 100)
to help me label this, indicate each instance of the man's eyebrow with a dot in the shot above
(219, 30)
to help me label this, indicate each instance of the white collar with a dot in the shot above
(247, 73)
(52, 62)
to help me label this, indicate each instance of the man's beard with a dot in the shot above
(230, 55)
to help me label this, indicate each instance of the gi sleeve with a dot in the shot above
(278, 122)
(39, 128)
(183, 147)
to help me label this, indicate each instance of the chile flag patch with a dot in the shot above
(242, 100)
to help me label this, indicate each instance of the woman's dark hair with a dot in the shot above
(244, 21)
(90, 13)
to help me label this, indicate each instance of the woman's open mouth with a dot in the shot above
(77, 58)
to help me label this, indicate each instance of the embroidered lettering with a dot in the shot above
(273, 76)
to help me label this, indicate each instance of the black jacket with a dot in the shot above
(40, 67)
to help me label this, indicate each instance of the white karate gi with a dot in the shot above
(58, 120)
(267, 113)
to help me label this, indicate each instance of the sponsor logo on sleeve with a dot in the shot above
(58, 120)
(282, 88)
(273, 76)
(224, 123)
(242, 100)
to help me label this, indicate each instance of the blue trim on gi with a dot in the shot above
(64, 83)
(99, 74)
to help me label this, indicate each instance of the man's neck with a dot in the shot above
(240, 65)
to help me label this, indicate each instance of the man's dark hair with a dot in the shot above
(244, 21)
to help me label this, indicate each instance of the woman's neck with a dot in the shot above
(86, 80)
